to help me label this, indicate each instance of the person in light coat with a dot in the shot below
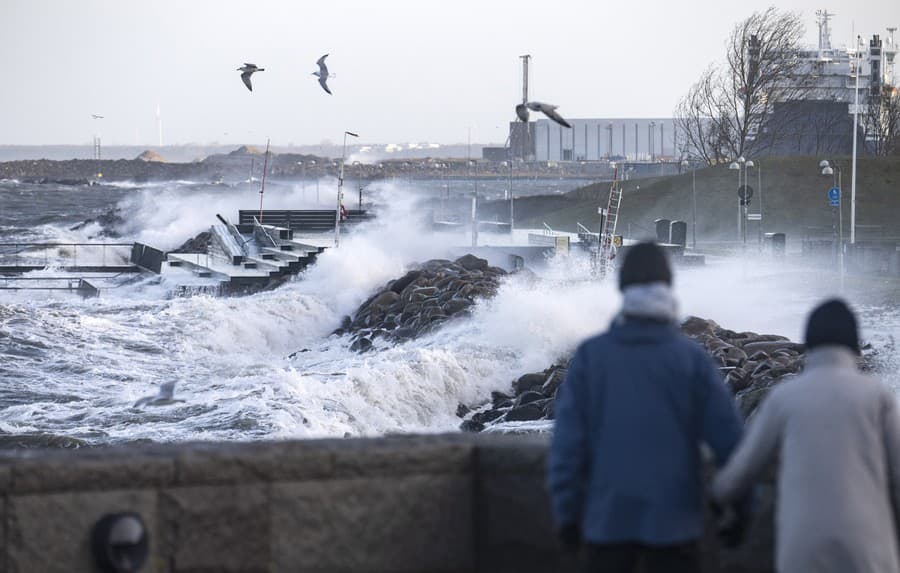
(836, 435)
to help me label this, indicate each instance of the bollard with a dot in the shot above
(120, 543)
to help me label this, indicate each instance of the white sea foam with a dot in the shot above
(81, 365)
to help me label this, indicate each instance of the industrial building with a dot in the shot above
(818, 118)
(595, 139)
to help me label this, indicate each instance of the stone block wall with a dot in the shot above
(441, 504)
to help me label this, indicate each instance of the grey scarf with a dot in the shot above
(650, 300)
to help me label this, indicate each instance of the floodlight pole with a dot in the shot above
(340, 192)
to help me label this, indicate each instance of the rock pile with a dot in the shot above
(108, 221)
(751, 364)
(198, 244)
(421, 300)
(532, 398)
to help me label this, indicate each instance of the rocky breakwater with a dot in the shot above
(751, 365)
(420, 301)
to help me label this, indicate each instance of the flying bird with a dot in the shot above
(323, 73)
(248, 70)
(545, 108)
(95, 116)
(163, 398)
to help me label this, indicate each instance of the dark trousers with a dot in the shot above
(636, 557)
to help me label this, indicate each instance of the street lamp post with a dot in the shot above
(685, 163)
(855, 137)
(302, 179)
(340, 192)
(828, 168)
(741, 164)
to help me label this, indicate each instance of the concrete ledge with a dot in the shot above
(452, 503)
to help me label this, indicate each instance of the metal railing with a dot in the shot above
(69, 284)
(66, 254)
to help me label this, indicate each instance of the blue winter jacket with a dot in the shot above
(625, 463)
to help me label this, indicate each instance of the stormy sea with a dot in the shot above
(267, 366)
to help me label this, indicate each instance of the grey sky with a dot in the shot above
(406, 70)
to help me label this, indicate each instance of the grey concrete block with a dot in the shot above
(82, 471)
(512, 454)
(414, 523)
(4, 544)
(398, 456)
(216, 528)
(226, 464)
(49, 533)
(5, 478)
(515, 528)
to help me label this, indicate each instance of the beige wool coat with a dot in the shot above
(836, 434)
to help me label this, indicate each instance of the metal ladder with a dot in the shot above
(607, 254)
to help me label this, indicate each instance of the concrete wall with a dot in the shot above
(460, 503)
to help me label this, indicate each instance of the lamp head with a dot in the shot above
(750, 164)
(827, 171)
(734, 166)
(823, 163)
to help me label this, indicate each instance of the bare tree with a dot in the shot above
(701, 132)
(728, 112)
(881, 121)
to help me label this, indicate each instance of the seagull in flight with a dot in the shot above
(95, 116)
(545, 108)
(163, 398)
(323, 73)
(248, 70)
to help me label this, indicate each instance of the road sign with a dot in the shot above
(754, 217)
(834, 194)
(745, 191)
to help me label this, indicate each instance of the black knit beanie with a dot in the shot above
(644, 263)
(832, 322)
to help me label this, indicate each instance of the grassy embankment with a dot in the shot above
(794, 201)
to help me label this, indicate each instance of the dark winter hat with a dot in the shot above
(832, 322)
(644, 263)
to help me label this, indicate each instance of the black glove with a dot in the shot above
(733, 521)
(569, 536)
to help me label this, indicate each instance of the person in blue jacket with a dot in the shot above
(624, 467)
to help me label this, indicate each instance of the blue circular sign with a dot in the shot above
(834, 193)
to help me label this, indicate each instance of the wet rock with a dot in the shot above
(694, 326)
(198, 244)
(526, 413)
(361, 345)
(752, 364)
(398, 285)
(472, 263)
(554, 380)
(499, 399)
(527, 398)
(385, 299)
(773, 346)
(423, 299)
(528, 382)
